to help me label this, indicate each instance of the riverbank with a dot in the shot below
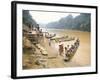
(53, 60)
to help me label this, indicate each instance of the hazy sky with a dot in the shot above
(46, 17)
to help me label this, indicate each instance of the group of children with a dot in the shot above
(68, 51)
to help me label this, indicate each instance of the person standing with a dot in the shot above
(49, 40)
(65, 52)
(61, 49)
(66, 55)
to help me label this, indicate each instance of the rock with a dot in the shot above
(27, 43)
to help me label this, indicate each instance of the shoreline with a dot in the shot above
(62, 29)
(80, 58)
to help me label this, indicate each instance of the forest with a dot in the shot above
(27, 19)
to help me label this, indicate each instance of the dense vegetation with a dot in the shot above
(80, 22)
(27, 18)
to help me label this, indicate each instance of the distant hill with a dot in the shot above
(80, 22)
(27, 19)
(41, 25)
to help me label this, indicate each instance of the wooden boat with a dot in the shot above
(47, 35)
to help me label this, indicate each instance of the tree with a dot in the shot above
(27, 19)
